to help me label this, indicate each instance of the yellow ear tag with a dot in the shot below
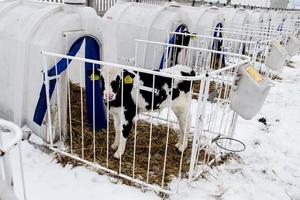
(128, 80)
(95, 77)
(193, 36)
(254, 74)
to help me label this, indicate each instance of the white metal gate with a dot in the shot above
(270, 32)
(237, 42)
(258, 45)
(151, 157)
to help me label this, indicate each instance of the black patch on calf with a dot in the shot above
(192, 73)
(217, 59)
(115, 84)
(182, 40)
(158, 98)
(160, 81)
(175, 93)
(127, 127)
(102, 85)
(185, 86)
(128, 103)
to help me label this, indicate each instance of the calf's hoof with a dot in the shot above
(117, 155)
(114, 146)
(181, 147)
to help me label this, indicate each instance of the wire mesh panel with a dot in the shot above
(269, 48)
(281, 33)
(233, 42)
(158, 123)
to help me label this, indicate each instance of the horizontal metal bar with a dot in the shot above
(224, 38)
(230, 67)
(259, 30)
(98, 166)
(18, 134)
(207, 167)
(159, 73)
(53, 77)
(125, 67)
(193, 48)
(159, 118)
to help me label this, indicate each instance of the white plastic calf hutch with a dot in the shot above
(235, 17)
(256, 18)
(204, 20)
(142, 21)
(278, 19)
(26, 29)
(153, 22)
(267, 18)
(200, 19)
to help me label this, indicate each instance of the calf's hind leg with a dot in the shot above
(184, 118)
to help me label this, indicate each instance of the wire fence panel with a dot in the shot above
(266, 46)
(162, 114)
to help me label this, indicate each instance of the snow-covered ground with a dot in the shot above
(269, 168)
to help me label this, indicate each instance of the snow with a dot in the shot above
(268, 168)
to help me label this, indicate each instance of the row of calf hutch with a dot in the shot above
(152, 22)
(227, 23)
(26, 34)
(46, 46)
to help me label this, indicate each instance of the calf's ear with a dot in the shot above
(94, 76)
(126, 73)
(97, 72)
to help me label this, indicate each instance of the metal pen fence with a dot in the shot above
(162, 152)
(256, 46)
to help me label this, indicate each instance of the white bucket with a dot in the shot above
(276, 57)
(292, 46)
(252, 90)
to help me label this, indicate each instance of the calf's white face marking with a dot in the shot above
(111, 82)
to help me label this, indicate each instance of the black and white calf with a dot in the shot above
(137, 91)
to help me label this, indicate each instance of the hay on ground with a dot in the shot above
(214, 90)
(158, 143)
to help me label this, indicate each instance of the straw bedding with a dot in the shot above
(213, 87)
(158, 145)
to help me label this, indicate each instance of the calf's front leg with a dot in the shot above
(125, 127)
(116, 117)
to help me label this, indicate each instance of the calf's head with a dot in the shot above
(110, 82)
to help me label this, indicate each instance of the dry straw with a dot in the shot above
(158, 145)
